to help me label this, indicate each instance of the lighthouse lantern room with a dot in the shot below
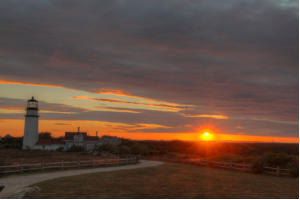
(31, 124)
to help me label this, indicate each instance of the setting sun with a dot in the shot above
(207, 136)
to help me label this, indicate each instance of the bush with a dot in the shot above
(109, 148)
(277, 159)
(282, 160)
(75, 148)
(12, 142)
(293, 167)
(60, 149)
(258, 166)
(140, 149)
(45, 135)
(124, 150)
(1, 161)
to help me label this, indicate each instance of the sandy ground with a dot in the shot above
(17, 183)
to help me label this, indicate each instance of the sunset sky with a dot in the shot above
(152, 69)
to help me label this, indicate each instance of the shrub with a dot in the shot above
(258, 166)
(60, 149)
(124, 150)
(45, 135)
(1, 161)
(282, 160)
(293, 167)
(12, 142)
(277, 159)
(140, 149)
(75, 148)
(109, 148)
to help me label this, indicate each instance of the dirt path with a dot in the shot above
(17, 183)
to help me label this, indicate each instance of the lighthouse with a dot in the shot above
(31, 135)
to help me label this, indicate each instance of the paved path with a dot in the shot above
(17, 183)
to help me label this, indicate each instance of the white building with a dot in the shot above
(49, 145)
(81, 139)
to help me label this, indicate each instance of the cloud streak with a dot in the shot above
(167, 107)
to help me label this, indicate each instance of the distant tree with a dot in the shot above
(11, 142)
(75, 148)
(45, 135)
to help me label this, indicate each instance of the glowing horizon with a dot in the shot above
(59, 127)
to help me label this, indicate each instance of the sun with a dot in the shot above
(207, 136)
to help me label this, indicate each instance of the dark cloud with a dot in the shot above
(52, 107)
(238, 58)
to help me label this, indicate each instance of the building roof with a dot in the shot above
(49, 142)
(32, 99)
(70, 136)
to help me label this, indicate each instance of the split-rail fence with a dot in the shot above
(26, 167)
(232, 166)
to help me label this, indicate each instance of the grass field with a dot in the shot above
(170, 181)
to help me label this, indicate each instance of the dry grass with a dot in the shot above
(14, 156)
(170, 181)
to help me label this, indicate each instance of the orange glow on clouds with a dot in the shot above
(115, 92)
(150, 106)
(127, 94)
(207, 116)
(27, 83)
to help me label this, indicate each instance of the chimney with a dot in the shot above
(78, 129)
(96, 133)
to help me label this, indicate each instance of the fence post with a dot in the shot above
(42, 165)
(62, 164)
(277, 171)
(78, 163)
(21, 168)
(93, 163)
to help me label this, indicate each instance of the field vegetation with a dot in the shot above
(169, 181)
(259, 155)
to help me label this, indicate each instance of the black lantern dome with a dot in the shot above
(32, 104)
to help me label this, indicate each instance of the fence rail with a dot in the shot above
(24, 167)
(232, 166)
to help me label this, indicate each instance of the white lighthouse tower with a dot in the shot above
(31, 135)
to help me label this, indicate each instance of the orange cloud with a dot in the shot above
(115, 92)
(127, 94)
(110, 100)
(12, 108)
(207, 116)
(117, 109)
(2, 81)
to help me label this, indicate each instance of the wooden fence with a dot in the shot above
(21, 167)
(232, 166)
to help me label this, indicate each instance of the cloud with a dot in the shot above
(111, 109)
(168, 107)
(26, 83)
(123, 93)
(207, 116)
(221, 57)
